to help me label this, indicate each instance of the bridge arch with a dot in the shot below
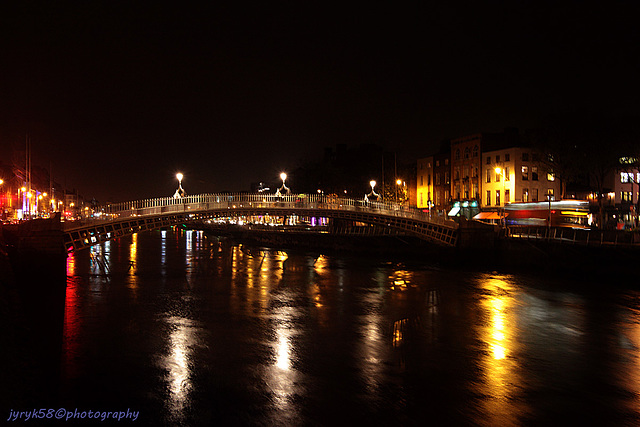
(132, 217)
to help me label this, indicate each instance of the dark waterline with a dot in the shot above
(190, 331)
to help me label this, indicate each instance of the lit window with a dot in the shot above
(525, 173)
(551, 176)
(624, 177)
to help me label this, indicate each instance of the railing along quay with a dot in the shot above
(575, 235)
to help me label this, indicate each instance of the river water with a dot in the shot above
(188, 330)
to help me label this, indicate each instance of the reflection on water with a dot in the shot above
(178, 364)
(72, 322)
(192, 330)
(502, 385)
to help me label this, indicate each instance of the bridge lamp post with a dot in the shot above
(372, 183)
(180, 190)
(499, 171)
(283, 189)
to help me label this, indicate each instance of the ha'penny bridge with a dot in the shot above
(122, 219)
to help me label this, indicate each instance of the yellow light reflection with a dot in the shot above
(401, 280)
(133, 254)
(501, 374)
(497, 327)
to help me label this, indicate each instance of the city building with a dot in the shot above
(515, 174)
(624, 198)
(425, 183)
(442, 178)
(465, 164)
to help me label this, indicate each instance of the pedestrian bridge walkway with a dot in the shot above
(130, 217)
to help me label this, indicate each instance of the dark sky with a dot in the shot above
(119, 96)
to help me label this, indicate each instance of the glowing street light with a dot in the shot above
(180, 191)
(372, 183)
(284, 188)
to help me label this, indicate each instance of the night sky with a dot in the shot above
(119, 96)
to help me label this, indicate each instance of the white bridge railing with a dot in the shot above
(204, 202)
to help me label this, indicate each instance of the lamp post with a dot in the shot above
(180, 191)
(500, 172)
(549, 196)
(284, 188)
(372, 183)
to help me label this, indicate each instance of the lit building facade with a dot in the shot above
(442, 180)
(424, 192)
(515, 174)
(465, 167)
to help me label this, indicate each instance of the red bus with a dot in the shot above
(563, 213)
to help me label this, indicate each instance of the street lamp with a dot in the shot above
(372, 183)
(180, 191)
(500, 172)
(284, 188)
(549, 197)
